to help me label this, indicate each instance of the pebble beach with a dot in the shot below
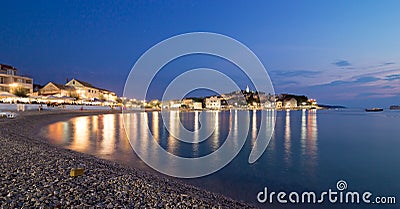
(36, 174)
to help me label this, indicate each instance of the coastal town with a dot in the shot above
(199, 104)
(19, 90)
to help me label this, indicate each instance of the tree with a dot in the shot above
(20, 91)
(102, 98)
(74, 95)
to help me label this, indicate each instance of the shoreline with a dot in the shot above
(35, 173)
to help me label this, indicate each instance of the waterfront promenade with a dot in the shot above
(34, 173)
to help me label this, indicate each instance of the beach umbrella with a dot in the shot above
(97, 100)
(6, 94)
(35, 97)
(66, 97)
(52, 97)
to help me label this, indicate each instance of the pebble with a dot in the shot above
(35, 174)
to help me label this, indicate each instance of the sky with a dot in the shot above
(339, 52)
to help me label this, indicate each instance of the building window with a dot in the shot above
(4, 88)
(1, 80)
(10, 72)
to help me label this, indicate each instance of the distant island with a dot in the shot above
(394, 107)
(324, 106)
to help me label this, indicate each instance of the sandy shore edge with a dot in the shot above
(35, 173)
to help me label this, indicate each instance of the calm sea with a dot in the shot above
(308, 151)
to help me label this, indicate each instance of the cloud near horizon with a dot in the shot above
(329, 85)
(286, 80)
(388, 63)
(393, 77)
(296, 73)
(342, 63)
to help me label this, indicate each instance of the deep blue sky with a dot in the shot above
(340, 52)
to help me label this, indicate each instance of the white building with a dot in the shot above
(278, 104)
(213, 103)
(171, 104)
(87, 91)
(290, 103)
(197, 106)
(58, 90)
(268, 104)
(187, 103)
(10, 81)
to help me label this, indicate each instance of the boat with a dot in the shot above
(373, 110)
(395, 107)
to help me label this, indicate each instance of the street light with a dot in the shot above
(13, 85)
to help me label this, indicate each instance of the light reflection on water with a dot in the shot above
(81, 135)
(308, 150)
(287, 139)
